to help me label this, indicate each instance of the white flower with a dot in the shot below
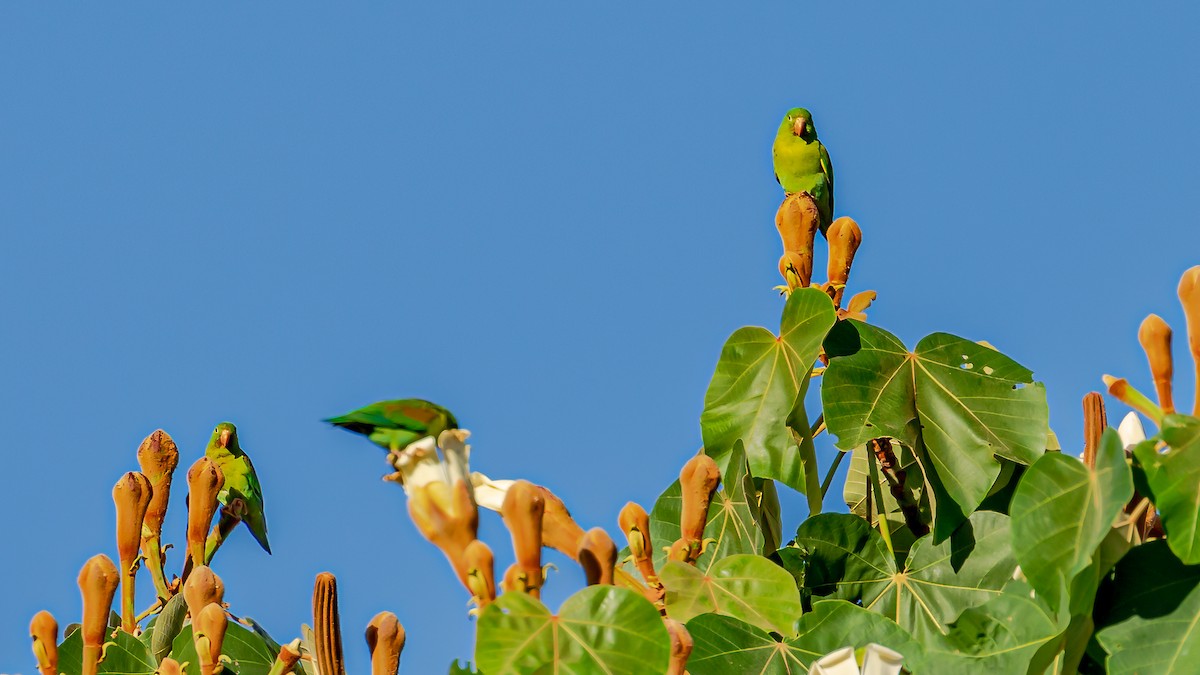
(1131, 431)
(876, 660)
(489, 493)
(427, 461)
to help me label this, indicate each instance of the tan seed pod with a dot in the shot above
(844, 239)
(681, 646)
(481, 575)
(385, 638)
(202, 588)
(98, 584)
(131, 495)
(697, 481)
(44, 631)
(448, 518)
(158, 457)
(523, 510)
(635, 523)
(1155, 338)
(327, 626)
(205, 481)
(1189, 296)
(559, 530)
(209, 635)
(1094, 422)
(598, 556)
(797, 220)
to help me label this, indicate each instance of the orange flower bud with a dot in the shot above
(158, 456)
(523, 511)
(481, 575)
(44, 631)
(559, 530)
(1155, 338)
(285, 662)
(598, 556)
(385, 639)
(797, 221)
(446, 517)
(844, 240)
(205, 481)
(636, 525)
(98, 584)
(681, 646)
(209, 635)
(697, 482)
(169, 666)
(1094, 422)
(1189, 296)
(202, 588)
(131, 495)
(1120, 389)
(327, 627)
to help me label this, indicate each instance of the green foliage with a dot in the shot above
(758, 390)
(127, 655)
(601, 629)
(746, 587)
(1174, 480)
(973, 404)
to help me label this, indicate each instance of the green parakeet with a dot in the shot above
(240, 479)
(802, 163)
(393, 425)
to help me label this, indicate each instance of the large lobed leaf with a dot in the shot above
(746, 587)
(1169, 643)
(1174, 480)
(759, 384)
(1061, 511)
(726, 645)
(846, 559)
(126, 656)
(971, 402)
(601, 629)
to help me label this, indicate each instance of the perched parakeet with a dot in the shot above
(240, 479)
(393, 425)
(802, 163)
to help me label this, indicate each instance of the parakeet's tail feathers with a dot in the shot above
(257, 525)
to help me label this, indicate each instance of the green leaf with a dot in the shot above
(1061, 512)
(972, 402)
(160, 633)
(601, 629)
(726, 645)
(1149, 582)
(733, 516)
(938, 581)
(1169, 643)
(249, 652)
(463, 669)
(128, 656)
(746, 587)
(757, 386)
(1002, 635)
(1174, 480)
(770, 518)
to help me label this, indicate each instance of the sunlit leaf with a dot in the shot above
(126, 656)
(1174, 480)
(972, 402)
(1169, 643)
(746, 587)
(601, 629)
(1002, 635)
(757, 383)
(249, 652)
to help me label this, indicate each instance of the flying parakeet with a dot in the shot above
(393, 425)
(802, 163)
(240, 479)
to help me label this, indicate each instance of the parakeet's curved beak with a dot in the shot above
(224, 439)
(798, 126)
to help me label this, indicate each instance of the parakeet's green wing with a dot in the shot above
(827, 168)
(410, 414)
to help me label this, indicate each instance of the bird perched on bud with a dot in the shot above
(802, 162)
(393, 425)
(240, 480)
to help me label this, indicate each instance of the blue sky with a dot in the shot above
(548, 219)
